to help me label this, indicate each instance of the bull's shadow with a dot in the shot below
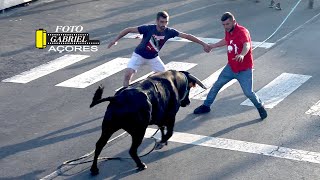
(47, 139)
(30, 175)
(124, 168)
(113, 169)
(119, 169)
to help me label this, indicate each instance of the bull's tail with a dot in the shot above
(97, 97)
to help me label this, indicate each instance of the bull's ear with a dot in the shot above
(197, 81)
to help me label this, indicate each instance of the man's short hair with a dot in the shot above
(227, 15)
(162, 14)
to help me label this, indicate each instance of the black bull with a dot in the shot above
(155, 100)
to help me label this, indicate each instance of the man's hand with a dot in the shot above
(239, 58)
(206, 48)
(112, 43)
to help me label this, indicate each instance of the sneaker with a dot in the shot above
(201, 109)
(271, 4)
(310, 4)
(278, 6)
(262, 112)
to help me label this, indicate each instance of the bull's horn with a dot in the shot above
(197, 81)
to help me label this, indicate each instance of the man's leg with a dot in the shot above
(245, 80)
(225, 76)
(128, 76)
(134, 63)
(156, 64)
(271, 4)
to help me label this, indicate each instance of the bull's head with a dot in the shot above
(191, 81)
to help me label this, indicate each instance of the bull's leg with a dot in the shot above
(137, 138)
(162, 131)
(105, 136)
(169, 133)
(159, 145)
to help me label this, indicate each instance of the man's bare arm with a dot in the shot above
(123, 33)
(192, 38)
(221, 43)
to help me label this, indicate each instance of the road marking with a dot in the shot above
(208, 82)
(206, 40)
(314, 110)
(200, 94)
(178, 66)
(96, 74)
(241, 146)
(45, 69)
(278, 89)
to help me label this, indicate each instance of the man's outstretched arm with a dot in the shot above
(123, 33)
(192, 38)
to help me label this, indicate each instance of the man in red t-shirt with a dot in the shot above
(240, 64)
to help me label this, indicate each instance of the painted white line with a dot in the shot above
(201, 94)
(207, 40)
(45, 69)
(179, 66)
(208, 82)
(241, 146)
(314, 110)
(278, 89)
(96, 74)
(10, 3)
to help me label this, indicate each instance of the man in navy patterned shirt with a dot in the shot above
(154, 37)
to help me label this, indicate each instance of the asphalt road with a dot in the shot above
(43, 125)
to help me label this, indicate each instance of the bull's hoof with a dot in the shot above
(160, 145)
(94, 171)
(143, 166)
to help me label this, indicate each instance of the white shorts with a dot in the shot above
(136, 61)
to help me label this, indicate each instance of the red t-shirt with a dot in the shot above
(235, 41)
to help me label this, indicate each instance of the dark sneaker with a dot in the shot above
(263, 113)
(201, 109)
(271, 4)
(278, 6)
(310, 4)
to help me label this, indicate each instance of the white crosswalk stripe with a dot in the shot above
(96, 74)
(315, 109)
(46, 69)
(277, 90)
(272, 94)
(179, 66)
(241, 146)
(201, 94)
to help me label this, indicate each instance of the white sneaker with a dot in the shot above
(278, 6)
